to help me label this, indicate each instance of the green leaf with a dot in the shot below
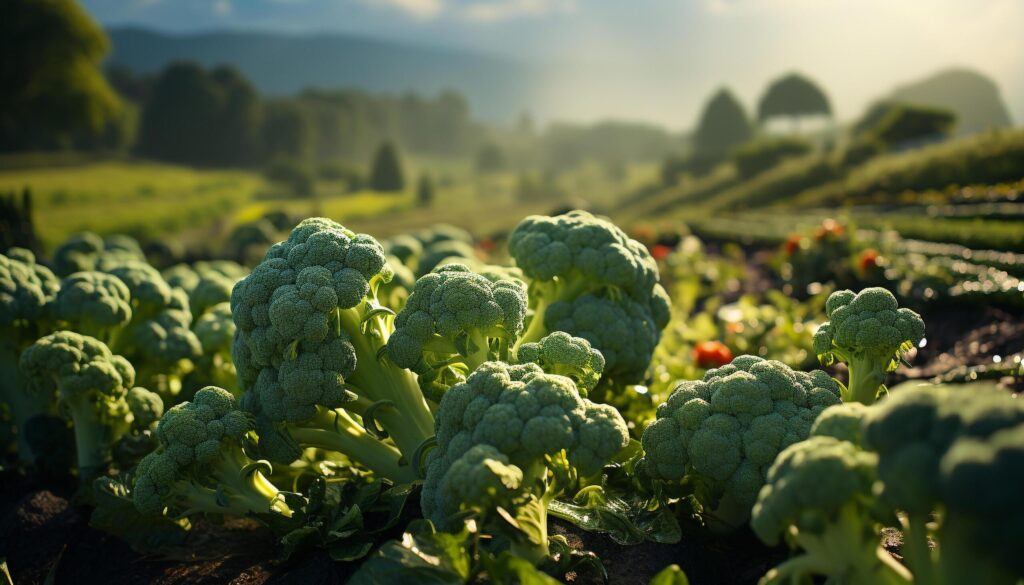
(627, 522)
(115, 514)
(508, 568)
(422, 556)
(670, 575)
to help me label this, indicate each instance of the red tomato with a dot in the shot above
(711, 354)
(868, 260)
(828, 229)
(792, 244)
(660, 251)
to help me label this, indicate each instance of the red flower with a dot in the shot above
(660, 251)
(792, 244)
(829, 228)
(868, 260)
(486, 244)
(711, 354)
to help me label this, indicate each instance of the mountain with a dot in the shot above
(280, 64)
(973, 97)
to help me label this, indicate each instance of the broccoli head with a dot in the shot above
(78, 253)
(94, 303)
(841, 421)
(869, 332)
(586, 277)
(522, 432)
(311, 340)
(215, 331)
(212, 289)
(405, 248)
(90, 383)
(723, 432)
(200, 465)
(454, 321)
(562, 354)
(819, 494)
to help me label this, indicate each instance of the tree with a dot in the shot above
(723, 126)
(792, 96)
(287, 130)
(200, 118)
(425, 191)
(52, 86)
(386, 172)
(897, 123)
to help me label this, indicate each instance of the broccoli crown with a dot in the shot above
(809, 484)
(94, 301)
(727, 429)
(212, 288)
(289, 300)
(215, 329)
(980, 482)
(913, 428)
(565, 355)
(578, 243)
(480, 479)
(525, 415)
(443, 232)
(78, 253)
(149, 292)
(624, 331)
(181, 276)
(442, 252)
(193, 432)
(25, 288)
(841, 421)
(75, 365)
(123, 245)
(146, 407)
(459, 307)
(868, 324)
(166, 338)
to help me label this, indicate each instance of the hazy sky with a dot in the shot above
(658, 60)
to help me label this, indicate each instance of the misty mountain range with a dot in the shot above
(498, 88)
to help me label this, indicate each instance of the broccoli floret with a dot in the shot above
(200, 465)
(842, 421)
(443, 232)
(587, 277)
(454, 321)
(215, 331)
(90, 383)
(95, 304)
(511, 436)
(26, 292)
(212, 288)
(311, 340)
(869, 333)
(406, 249)
(819, 494)
(146, 407)
(723, 432)
(565, 355)
(394, 294)
(912, 430)
(124, 246)
(444, 252)
(150, 293)
(983, 519)
(77, 254)
(164, 348)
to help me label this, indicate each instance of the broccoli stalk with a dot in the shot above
(870, 334)
(200, 465)
(90, 384)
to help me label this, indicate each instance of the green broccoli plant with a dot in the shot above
(819, 496)
(27, 290)
(562, 354)
(511, 439)
(77, 254)
(870, 334)
(454, 321)
(943, 449)
(722, 433)
(146, 409)
(200, 465)
(90, 384)
(588, 279)
(215, 331)
(311, 354)
(95, 304)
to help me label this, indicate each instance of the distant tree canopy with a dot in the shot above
(51, 88)
(425, 191)
(898, 123)
(386, 172)
(722, 127)
(202, 118)
(288, 130)
(792, 96)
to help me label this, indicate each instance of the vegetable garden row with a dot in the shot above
(567, 404)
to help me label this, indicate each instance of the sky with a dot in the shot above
(656, 60)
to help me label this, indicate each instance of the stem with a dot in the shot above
(22, 403)
(337, 431)
(865, 380)
(248, 491)
(918, 553)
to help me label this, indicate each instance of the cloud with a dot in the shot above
(483, 11)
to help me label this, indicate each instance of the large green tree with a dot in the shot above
(793, 96)
(723, 126)
(51, 88)
(288, 130)
(386, 172)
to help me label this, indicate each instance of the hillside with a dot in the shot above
(973, 97)
(278, 64)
